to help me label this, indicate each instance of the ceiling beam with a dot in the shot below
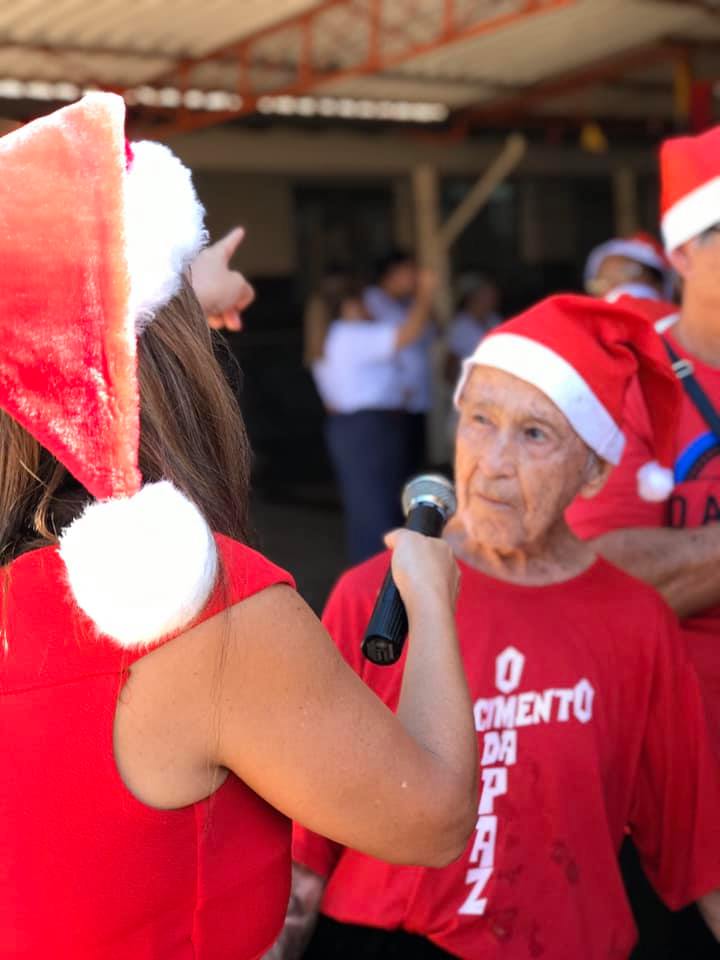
(373, 58)
(571, 81)
(707, 6)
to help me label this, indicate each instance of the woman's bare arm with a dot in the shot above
(261, 690)
(303, 730)
(420, 313)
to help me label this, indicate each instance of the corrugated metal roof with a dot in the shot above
(126, 43)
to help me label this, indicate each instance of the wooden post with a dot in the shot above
(434, 242)
(431, 254)
(498, 171)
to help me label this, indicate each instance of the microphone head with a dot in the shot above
(430, 489)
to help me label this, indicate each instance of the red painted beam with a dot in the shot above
(590, 75)
(311, 78)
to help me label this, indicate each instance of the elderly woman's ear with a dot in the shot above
(595, 477)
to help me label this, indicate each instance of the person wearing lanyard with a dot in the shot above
(360, 381)
(390, 301)
(674, 544)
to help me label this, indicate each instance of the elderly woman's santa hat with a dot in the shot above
(583, 354)
(94, 237)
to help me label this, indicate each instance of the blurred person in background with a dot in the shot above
(318, 312)
(675, 544)
(588, 714)
(390, 300)
(172, 701)
(634, 266)
(360, 379)
(477, 315)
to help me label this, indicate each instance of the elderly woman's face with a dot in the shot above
(518, 465)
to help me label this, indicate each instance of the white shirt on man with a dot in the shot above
(413, 361)
(360, 368)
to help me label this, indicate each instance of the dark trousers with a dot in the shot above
(664, 935)
(418, 443)
(371, 454)
(345, 941)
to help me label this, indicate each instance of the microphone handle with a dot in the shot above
(388, 627)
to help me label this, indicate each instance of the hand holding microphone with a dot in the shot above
(422, 567)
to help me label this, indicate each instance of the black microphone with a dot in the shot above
(428, 503)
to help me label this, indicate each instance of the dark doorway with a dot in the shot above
(349, 222)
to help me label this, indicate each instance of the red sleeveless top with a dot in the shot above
(88, 872)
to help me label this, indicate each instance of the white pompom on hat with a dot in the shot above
(95, 235)
(583, 353)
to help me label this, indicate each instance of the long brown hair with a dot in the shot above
(192, 434)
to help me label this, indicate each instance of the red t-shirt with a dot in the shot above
(589, 719)
(695, 502)
(88, 872)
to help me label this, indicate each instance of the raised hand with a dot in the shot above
(223, 293)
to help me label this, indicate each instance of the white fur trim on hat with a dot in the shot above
(634, 250)
(141, 567)
(558, 380)
(689, 217)
(655, 483)
(164, 227)
(638, 291)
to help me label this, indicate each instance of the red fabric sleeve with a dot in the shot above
(243, 573)
(674, 819)
(618, 505)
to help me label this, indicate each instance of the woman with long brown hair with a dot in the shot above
(167, 700)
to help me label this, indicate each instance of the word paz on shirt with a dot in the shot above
(498, 718)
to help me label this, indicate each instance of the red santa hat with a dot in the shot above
(639, 247)
(94, 238)
(583, 353)
(690, 194)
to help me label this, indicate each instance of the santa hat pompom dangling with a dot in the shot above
(654, 482)
(122, 223)
(583, 354)
(159, 573)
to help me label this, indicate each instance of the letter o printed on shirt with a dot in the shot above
(508, 670)
(583, 701)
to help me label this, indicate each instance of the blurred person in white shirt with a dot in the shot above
(368, 429)
(390, 301)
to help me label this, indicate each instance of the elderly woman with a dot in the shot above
(587, 712)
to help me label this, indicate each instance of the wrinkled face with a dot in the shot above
(518, 462)
(401, 280)
(698, 263)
